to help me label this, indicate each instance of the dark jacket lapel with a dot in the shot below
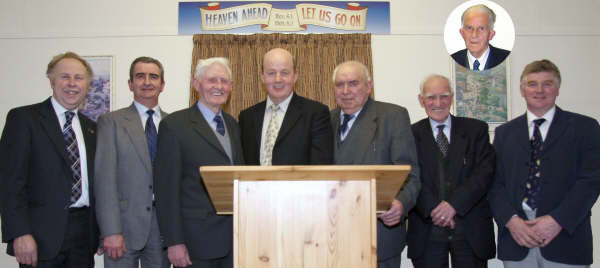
(199, 124)
(457, 148)
(293, 113)
(52, 127)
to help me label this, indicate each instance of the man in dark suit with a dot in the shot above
(285, 129)
(457, 161)
(46, 167)
(369, 132)
(124, 169)
(202, 135)
(547, 178)
(477, 30)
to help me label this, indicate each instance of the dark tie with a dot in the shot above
(344, 127)
(476, 65)
(442, 140)
(220, 125)
(151, 135)
(532, 185)
(73, 155)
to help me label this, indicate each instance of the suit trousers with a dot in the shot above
(75, 250)
(535, 259)
(392, 262)
(436, 255)
(152, 255)
(223, 262)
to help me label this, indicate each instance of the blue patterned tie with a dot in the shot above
(73, 155)
(344, 127)
(151, 135)
(532, 185)
(220, 125)
(476, 65)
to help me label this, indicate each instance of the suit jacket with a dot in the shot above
(496, 56)
(185, 214)
(569, 188)
(305, 136)
(381, 136)
(471, 167)
(36, 178)
(123, 177)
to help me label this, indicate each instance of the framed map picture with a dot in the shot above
(482, 95)
(99, 98)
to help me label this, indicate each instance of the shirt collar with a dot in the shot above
(482, 60)
(208, 114)
(283, 105)
(549, 115)
(434, 124)
(59, 109)
(142, 109)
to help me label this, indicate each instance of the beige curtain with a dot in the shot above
(316, 55)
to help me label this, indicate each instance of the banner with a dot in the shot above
(280, 16)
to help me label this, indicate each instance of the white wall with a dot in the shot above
(31, 32)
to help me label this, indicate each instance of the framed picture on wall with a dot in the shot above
(483, 95)
(100, 96)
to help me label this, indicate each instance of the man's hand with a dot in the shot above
(25, 250)
(178, 255)
(114, 246)
(443, 215)
(546, 227)
(393, 215)
(523, 233)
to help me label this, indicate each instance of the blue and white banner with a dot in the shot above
(284, 16)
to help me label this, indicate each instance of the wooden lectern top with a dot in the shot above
(219, 180)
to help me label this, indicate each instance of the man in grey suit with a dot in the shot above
(124, 184)
(202, 135)
(369, 132)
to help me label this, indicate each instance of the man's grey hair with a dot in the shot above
(363, 67)
(432, 76)
(203, 64)
(480, 9)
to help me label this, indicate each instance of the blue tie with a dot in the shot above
(220, 125)
(151, 135)
(532, 184)
(476, 65)
(344, 127)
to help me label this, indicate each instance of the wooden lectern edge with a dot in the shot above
(359, 172)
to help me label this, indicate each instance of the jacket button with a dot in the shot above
(148, 208)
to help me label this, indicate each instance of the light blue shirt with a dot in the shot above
(435, 124)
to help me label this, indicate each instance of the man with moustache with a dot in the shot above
(477, 31)
(547, 178)
(46, 167)
(452, 215)
(370, 132)
(124, 169)
(285, 129)
(202, 135)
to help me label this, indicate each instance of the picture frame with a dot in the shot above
(101, 96)
(483, 95)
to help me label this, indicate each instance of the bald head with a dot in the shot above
(279, 74)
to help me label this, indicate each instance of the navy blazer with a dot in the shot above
(35, 178)
(471, 161)
(496, 56)
(570, 184)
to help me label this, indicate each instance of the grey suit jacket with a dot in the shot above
(185, 214)
(124, 182)
(381, 135)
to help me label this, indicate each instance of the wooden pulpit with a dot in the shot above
(304, 216)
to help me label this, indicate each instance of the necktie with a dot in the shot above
(220, 125)
(344, 127)
(442, 140)
(532, 185)
(271, 136)
(151, 135)
(476, 65)
(73, 155)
